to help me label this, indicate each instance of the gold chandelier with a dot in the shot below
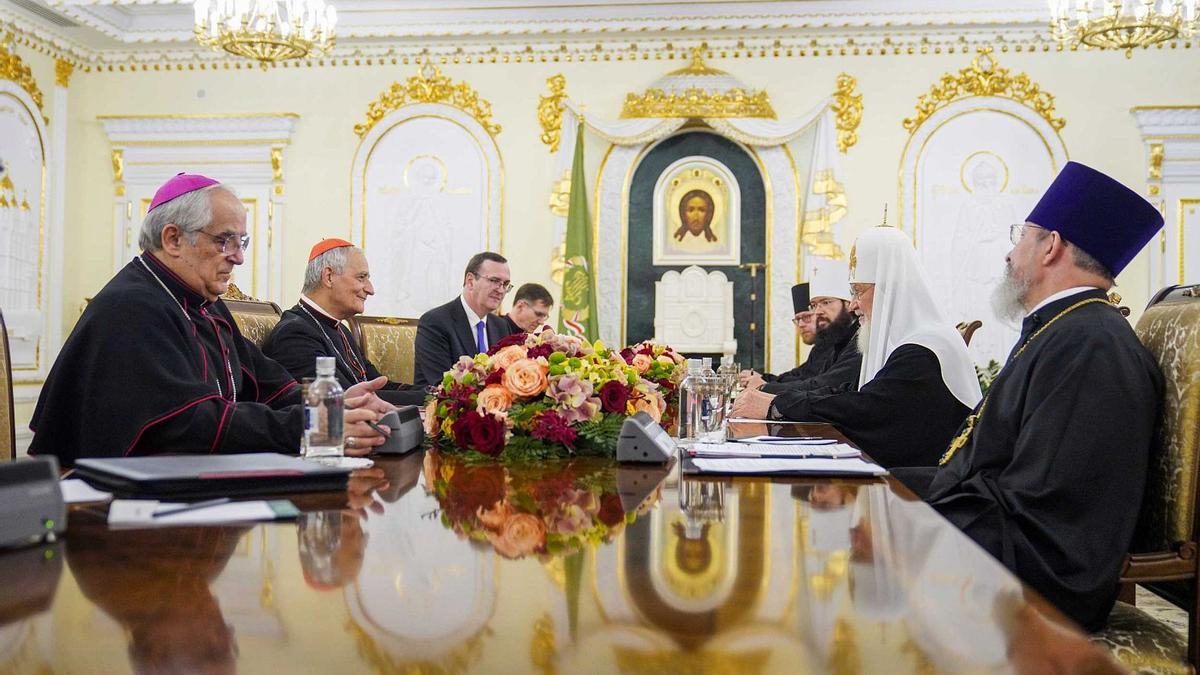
(266, 30)
(1121, 24)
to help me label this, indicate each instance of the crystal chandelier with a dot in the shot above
(266, 30)
(1121, 24)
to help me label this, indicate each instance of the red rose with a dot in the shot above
(463, 428)
(488, 435)
(611, 511)
(613, 397)
(627, 354)
(495, 377)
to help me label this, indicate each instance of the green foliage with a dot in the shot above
(987, 375)
(599, 437)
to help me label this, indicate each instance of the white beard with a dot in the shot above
(1008, 298)
(864, 335)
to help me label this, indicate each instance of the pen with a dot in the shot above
(378, 429)
(192, 507)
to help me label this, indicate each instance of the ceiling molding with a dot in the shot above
(145, 35)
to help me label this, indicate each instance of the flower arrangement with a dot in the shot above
(545, 509)
(534, 396)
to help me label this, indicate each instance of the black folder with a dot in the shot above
(203, 476)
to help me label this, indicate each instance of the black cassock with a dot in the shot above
(136, 376)
(905, 416)
(1051, 479)
(832, 366)
(304, 333)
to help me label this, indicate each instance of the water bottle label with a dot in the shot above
(310, 417)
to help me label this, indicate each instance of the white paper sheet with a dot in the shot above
(140, 513)
(76, 491)
(808, 465)
(774, 450)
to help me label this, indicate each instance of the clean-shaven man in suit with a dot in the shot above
(465, 326)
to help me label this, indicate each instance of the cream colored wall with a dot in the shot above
(1093, 91)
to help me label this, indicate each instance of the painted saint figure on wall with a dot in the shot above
(696, 212)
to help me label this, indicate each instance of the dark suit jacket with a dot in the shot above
(443, 335)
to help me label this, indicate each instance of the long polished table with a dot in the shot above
(431, 564)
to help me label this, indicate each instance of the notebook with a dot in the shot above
(201, 476)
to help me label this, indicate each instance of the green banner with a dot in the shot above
(577, 315)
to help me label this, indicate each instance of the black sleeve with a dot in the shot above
(295, 350)
(841, 377)
(432, 351)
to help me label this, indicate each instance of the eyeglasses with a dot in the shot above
(824, 302)
(242, 241)
(502, 284)
(857, 293)
(1016, 231)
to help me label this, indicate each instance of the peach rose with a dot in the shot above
(494, 399)
(664, 359)
(431, 420)
(521, 535)
(507, 356)
(650, 406)
(495, 517)
(525, 377)
(642, 362)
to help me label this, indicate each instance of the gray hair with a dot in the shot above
(191, 211)
(1087, 263)
(334, 258)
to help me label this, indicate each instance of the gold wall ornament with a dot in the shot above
(277, 164)
(1156, 161)
(848, 108)
(118, 167)
(13, 68)
(62, 72)
(550, 111)
(560, 195)
(676, 95)
(430, 86)
(985, 78)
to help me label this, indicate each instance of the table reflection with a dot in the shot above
(438, 564)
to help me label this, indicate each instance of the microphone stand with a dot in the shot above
(754, 267)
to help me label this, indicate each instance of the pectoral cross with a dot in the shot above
(961, 439)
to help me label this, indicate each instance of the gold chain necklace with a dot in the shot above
(961, 439)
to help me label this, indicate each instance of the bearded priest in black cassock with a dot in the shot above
(1048, 472)
(916, 383)
(337, 283)
(156, 362)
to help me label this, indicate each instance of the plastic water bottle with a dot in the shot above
(689, 401)
(323, 413)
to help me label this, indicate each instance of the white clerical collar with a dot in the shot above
(1060, 295)
(472, 317)
(313, 305)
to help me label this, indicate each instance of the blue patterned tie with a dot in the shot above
(480, 343)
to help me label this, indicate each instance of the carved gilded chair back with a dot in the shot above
(389, 343)
(8, 431)
(255, 318)
(967, 329)
(1164, 553)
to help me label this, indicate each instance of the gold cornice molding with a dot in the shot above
(550, 111)
(697, 102)
(847, 107)
(62, 72)
(13, 68)
(430, 86)
(984, 78)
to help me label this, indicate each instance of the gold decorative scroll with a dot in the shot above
(550, 111)
(848, 108)
(985, 78)
(118, 167)
(697, 102)
(13, 68)
(235, 293)
(430, 86)
(62, 72)
(1156, 161)
(817, 233)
